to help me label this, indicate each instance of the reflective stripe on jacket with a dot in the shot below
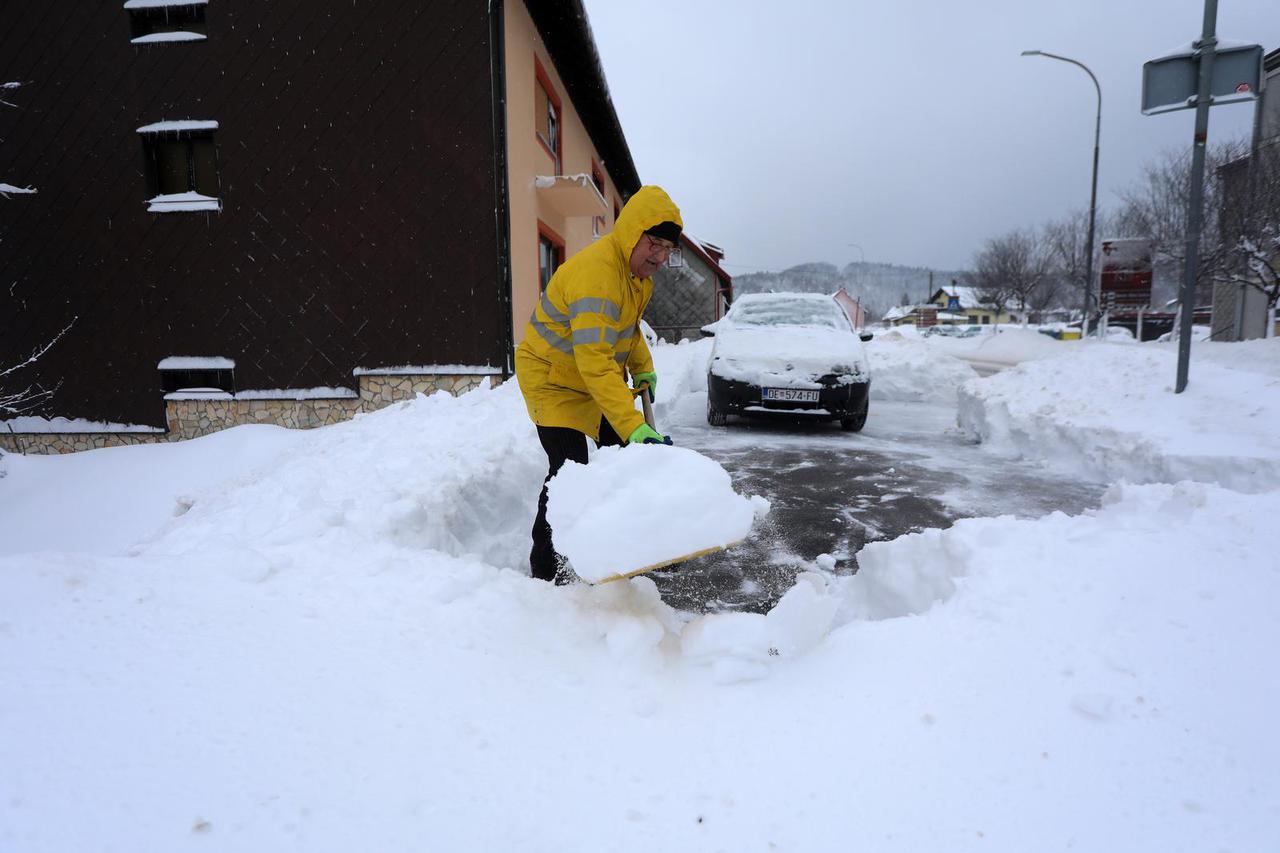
(584, 336)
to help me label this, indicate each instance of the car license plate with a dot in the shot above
(791, 395)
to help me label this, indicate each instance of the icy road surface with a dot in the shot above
(833, 491)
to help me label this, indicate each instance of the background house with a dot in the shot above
(689, 292)
(965, 306)
(1250, 197)
(287, 212)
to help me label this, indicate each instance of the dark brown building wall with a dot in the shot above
(356, 158)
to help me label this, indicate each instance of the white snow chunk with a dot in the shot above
(182, 202)
(429, 370)
(185, 125)
(323, 392)
(31, 423)
(196, 362)
(643, 504)
(161, 38)
(161, 4)
(9, 189)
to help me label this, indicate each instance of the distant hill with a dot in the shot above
(878, 286)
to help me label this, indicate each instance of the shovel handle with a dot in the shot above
(647, 404)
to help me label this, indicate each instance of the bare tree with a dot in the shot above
(16, 400)
(1009, 270)
(1066, 245)
(1250, 224)
(1156, 207)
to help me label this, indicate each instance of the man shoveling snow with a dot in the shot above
(584, 339)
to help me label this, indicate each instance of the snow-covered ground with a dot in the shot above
(327, 640)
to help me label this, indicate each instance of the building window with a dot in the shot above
(181, 162)
(547, 114)
(617, 209)
(597, 177)
(598, 226)
(550, 255)
(207, 373)
(158, 21)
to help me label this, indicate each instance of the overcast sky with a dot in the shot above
(905, 132)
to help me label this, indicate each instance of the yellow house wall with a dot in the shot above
(527, 159)
(1002, 319)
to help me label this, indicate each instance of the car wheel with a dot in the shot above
(715, 417)
(859, 419)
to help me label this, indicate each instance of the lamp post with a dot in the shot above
(1093, 195)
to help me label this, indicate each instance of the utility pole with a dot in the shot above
(1195, 207)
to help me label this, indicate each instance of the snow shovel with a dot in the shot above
(646, 403)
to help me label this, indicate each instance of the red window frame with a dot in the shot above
(543, 80)
(546, 233)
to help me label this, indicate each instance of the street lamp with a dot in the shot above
(1093, 195)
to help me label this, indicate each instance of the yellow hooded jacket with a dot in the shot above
(585, 329)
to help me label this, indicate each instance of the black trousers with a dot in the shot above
(561, 444)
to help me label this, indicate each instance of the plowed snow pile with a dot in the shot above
(1108, 410)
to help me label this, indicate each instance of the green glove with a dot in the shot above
(650, 379)
(645, 434)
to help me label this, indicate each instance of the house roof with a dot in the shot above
(969, 297)
(566, 32)
(689, 242)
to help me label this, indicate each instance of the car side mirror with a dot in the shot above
(866, 336)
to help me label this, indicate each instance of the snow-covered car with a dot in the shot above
(792, 354)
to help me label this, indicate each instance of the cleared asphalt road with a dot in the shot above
(832, 492)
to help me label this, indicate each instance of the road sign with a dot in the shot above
(1170, 82)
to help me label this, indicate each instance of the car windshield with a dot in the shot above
(788, 312)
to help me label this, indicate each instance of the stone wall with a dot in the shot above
(195, 414)
(73, 442)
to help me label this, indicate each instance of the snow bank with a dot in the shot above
(103, 501)
(1011, 345)
(456, 475)
(905, 367)
(1108, 410)
(643, 505)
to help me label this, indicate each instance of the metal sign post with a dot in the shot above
(1165, 83)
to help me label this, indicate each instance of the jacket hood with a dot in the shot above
(648, 207)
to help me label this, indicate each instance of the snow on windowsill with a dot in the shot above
(196, 362)
(319, 393)
(182, 203)
(30, 424)
(544, 181)
(429, 370)
(161, 4)
(179, 126)
(9, 189)
(162, 38)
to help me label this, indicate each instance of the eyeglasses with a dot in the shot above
(660, 245)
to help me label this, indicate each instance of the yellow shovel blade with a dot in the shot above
(671, 562)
